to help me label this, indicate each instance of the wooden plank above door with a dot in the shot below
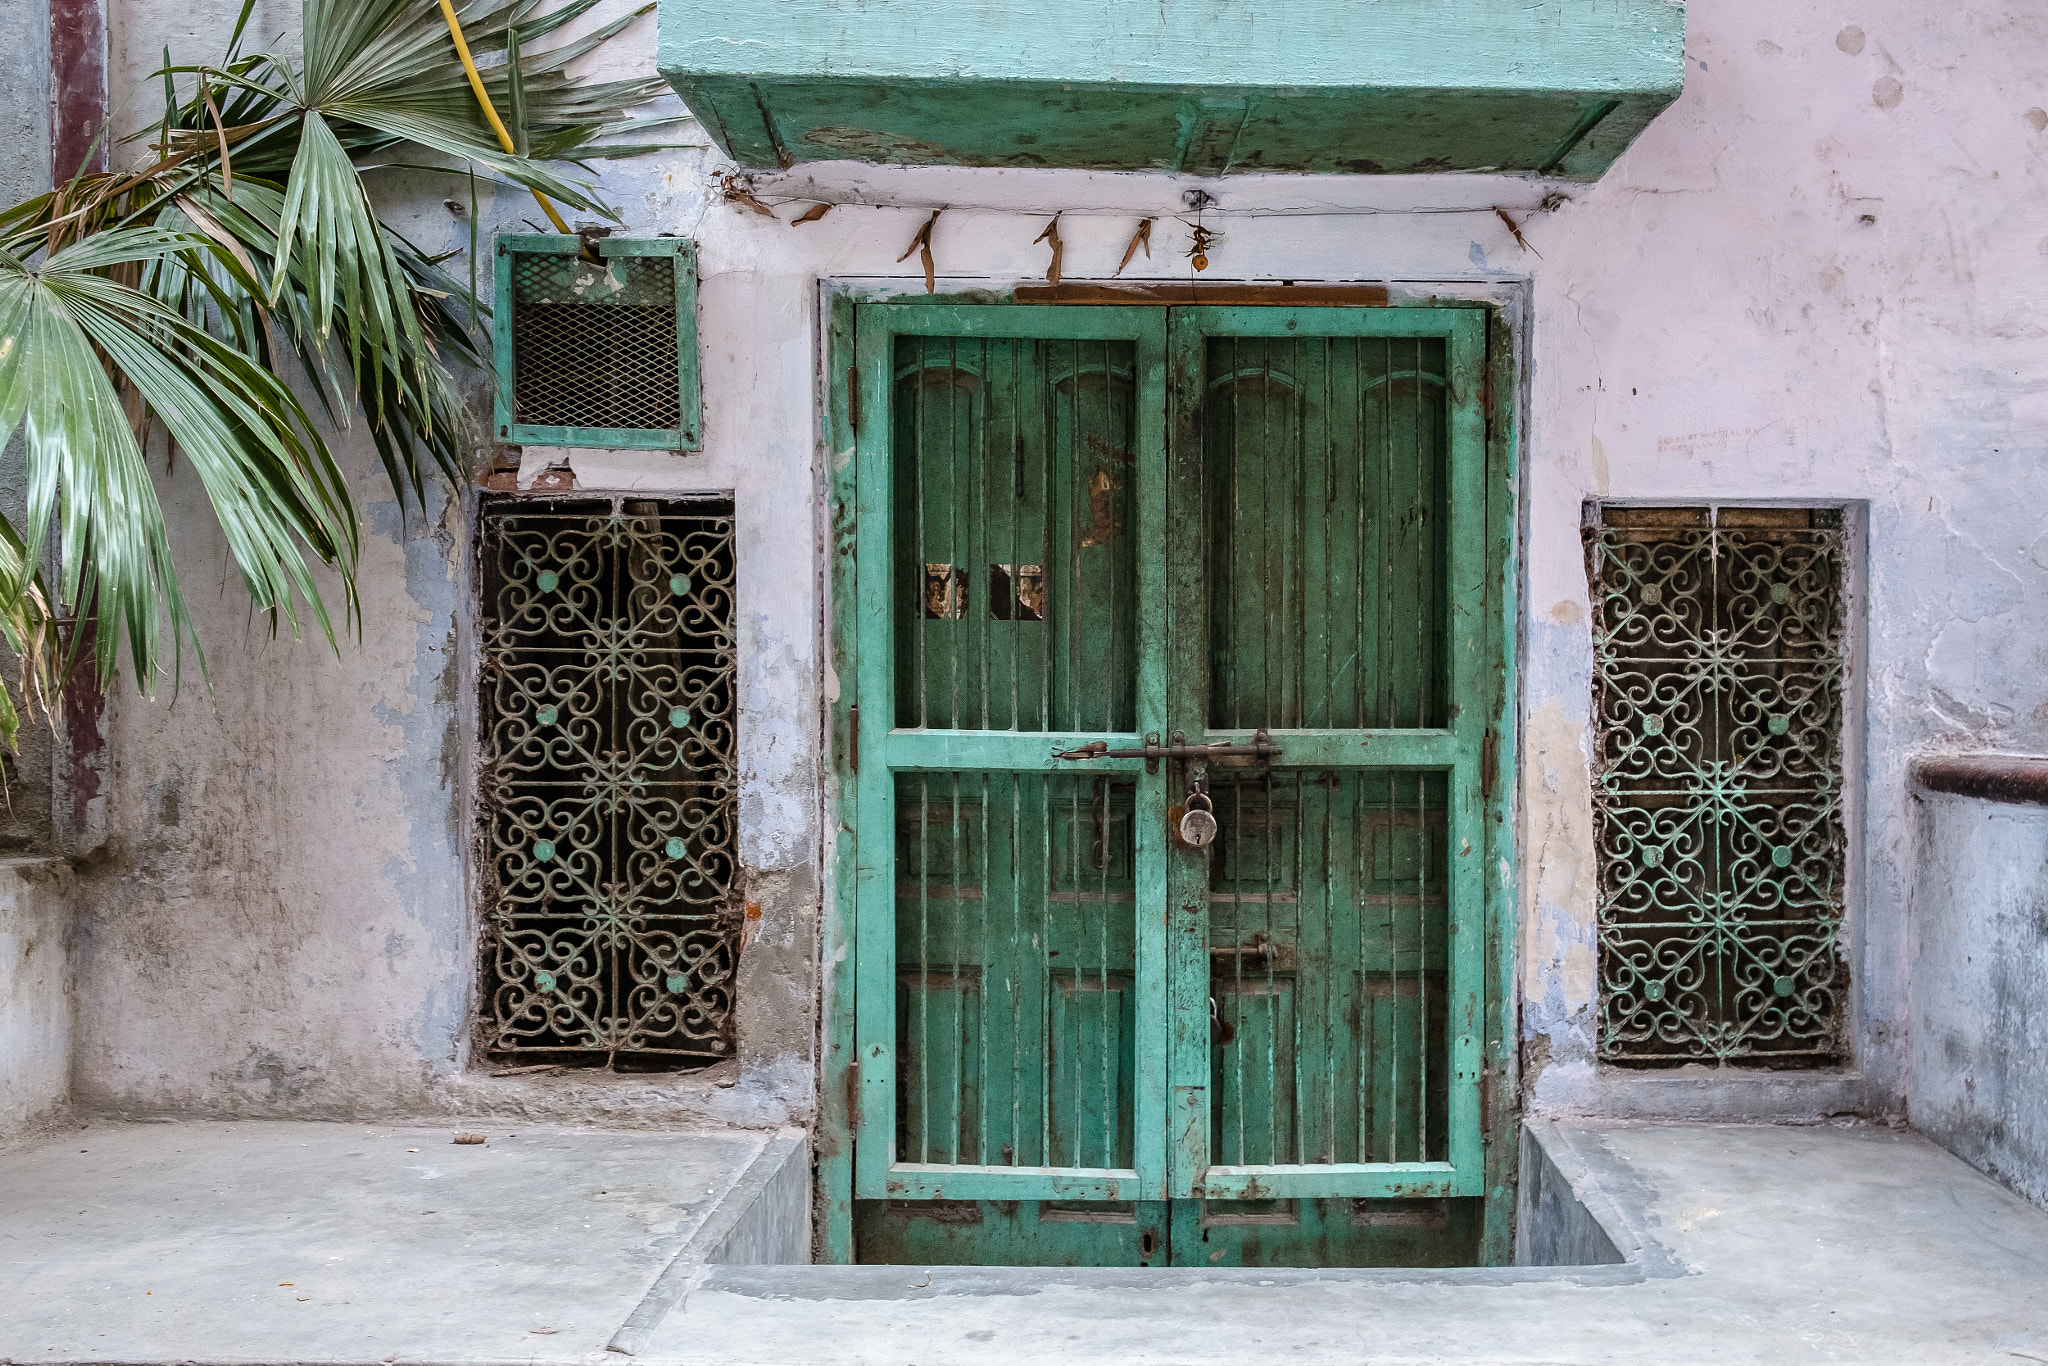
(1217, 293)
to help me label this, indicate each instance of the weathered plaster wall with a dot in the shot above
(35, 911)
(25, 105)
(24, 171)
(36, 992)
(1817, 277)
(1977, 1071)
(281, 923)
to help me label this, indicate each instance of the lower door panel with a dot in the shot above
(1275, 1233)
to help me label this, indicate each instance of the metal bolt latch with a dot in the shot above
(1261, 750)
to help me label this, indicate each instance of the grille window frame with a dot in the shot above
(548, 364)
(1723, 858)
(607, 816)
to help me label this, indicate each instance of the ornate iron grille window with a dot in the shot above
(608, 780)
(1718, 713)
(597, 348)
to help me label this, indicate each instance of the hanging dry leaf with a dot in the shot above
(220, 132)
(1141, 238)
(1051, 235)
(810, 215)
(922, 245)
(1516, 229)
(737, 191)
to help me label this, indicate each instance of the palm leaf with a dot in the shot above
(166, 298)
(83, 459)
(274, 486)
(29, 630)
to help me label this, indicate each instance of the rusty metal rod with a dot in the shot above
(1261, 748)
(2020, 780)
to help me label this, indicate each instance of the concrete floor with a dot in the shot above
(1753, 1244)
(294, 1242)
(168, 1243)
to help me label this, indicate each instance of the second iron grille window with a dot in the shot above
(1718, 795)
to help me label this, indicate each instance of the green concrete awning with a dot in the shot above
(1203, 87)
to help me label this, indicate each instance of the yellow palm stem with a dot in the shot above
(476, 83)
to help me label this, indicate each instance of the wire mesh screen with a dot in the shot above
(594, 343)
(1718, 705)
(608, 780)
(1017, 575)
(1016, 949)
(1325, 471)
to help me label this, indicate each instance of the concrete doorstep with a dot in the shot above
(245, 1243)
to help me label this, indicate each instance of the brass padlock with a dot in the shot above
(1198, 826)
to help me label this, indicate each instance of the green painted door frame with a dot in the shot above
(1469, 747)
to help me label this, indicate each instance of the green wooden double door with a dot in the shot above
(1079, 1038)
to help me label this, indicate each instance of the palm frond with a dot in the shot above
(272, 482)
(31, 630)
(171, 296)
(83, 458)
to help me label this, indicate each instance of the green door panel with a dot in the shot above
(1329, 1232)
(1079, 1041)
(1008, 990)
(1013, 1232)
(1013, 507)
(1324, 480)
(1016, 955)
(1327, 963)
(1334, 934)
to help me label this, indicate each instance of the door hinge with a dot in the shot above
(853, 739)
(853, 397)
(1489, 759)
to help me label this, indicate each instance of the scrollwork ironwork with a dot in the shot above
(608, 780)
(1718, 796)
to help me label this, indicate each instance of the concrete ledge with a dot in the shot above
(267, 1242)
(1977, 1051)
(37, 991)
(1584, 1220)
(1562, 1218)
(763, 1217)
(1697, 1094)
(272, 1244)
(1839, 1242)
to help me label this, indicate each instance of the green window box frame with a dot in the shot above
(689, 436)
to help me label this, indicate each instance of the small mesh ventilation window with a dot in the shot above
(597, 349)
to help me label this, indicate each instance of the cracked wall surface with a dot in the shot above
(1817, 277)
